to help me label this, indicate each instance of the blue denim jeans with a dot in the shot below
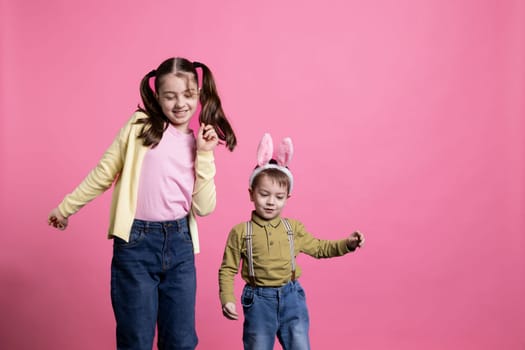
(270, 312)
(153, 283)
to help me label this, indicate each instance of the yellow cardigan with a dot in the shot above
(123, 161)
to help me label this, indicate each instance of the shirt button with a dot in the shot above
(271, 242)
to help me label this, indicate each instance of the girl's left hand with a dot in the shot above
(207, 138)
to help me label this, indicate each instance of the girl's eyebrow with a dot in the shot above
(182, 92)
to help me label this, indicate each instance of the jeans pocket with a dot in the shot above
(136, 235)
(186, 235)
(247, 297)
(300, 292)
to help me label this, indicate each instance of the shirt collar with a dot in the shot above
(262, 222)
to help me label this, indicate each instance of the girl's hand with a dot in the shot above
(56, 220)
(228, 310)
(207, 138)
(356, 240)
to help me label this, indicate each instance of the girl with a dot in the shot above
(164, 178)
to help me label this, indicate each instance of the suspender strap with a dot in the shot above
(249, 248)
(249, 252)
(291, 242)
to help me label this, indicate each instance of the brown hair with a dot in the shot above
(211, 109)
(275, 175)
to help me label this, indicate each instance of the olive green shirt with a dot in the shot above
(271, 253)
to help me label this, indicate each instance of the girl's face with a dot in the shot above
(178, 97)
(269, 198)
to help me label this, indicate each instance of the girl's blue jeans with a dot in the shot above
(271, 312)
(153, 283)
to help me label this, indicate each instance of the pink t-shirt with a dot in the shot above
(167, 178)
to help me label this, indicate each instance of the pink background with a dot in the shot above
(408, 123)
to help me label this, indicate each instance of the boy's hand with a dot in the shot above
(207, 138)
(228, 310)
(56, 220)
(356, 240)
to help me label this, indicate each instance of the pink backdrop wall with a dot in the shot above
(408, 123)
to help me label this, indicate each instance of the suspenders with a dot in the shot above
(249, 252)
(249, 248)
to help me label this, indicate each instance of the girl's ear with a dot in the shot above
(265, 150)
(285, 152)
(250, 191)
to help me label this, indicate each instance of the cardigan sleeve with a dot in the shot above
(204, 195)
(99, 178)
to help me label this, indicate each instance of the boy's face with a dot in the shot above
(269, 198)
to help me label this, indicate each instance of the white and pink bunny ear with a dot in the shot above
(265, 150)
(265, 154)
(285, 152)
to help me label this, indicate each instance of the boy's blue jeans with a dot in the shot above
(153, 282)
(270, 312)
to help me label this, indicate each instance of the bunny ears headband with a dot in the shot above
(282, 158)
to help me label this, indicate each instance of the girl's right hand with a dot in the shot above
(228, 310)
(56, 220)
(207, 138)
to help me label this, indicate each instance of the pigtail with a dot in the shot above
(155, 124)
(211, 111)
(146, 92)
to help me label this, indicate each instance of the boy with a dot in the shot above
(273, 300)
